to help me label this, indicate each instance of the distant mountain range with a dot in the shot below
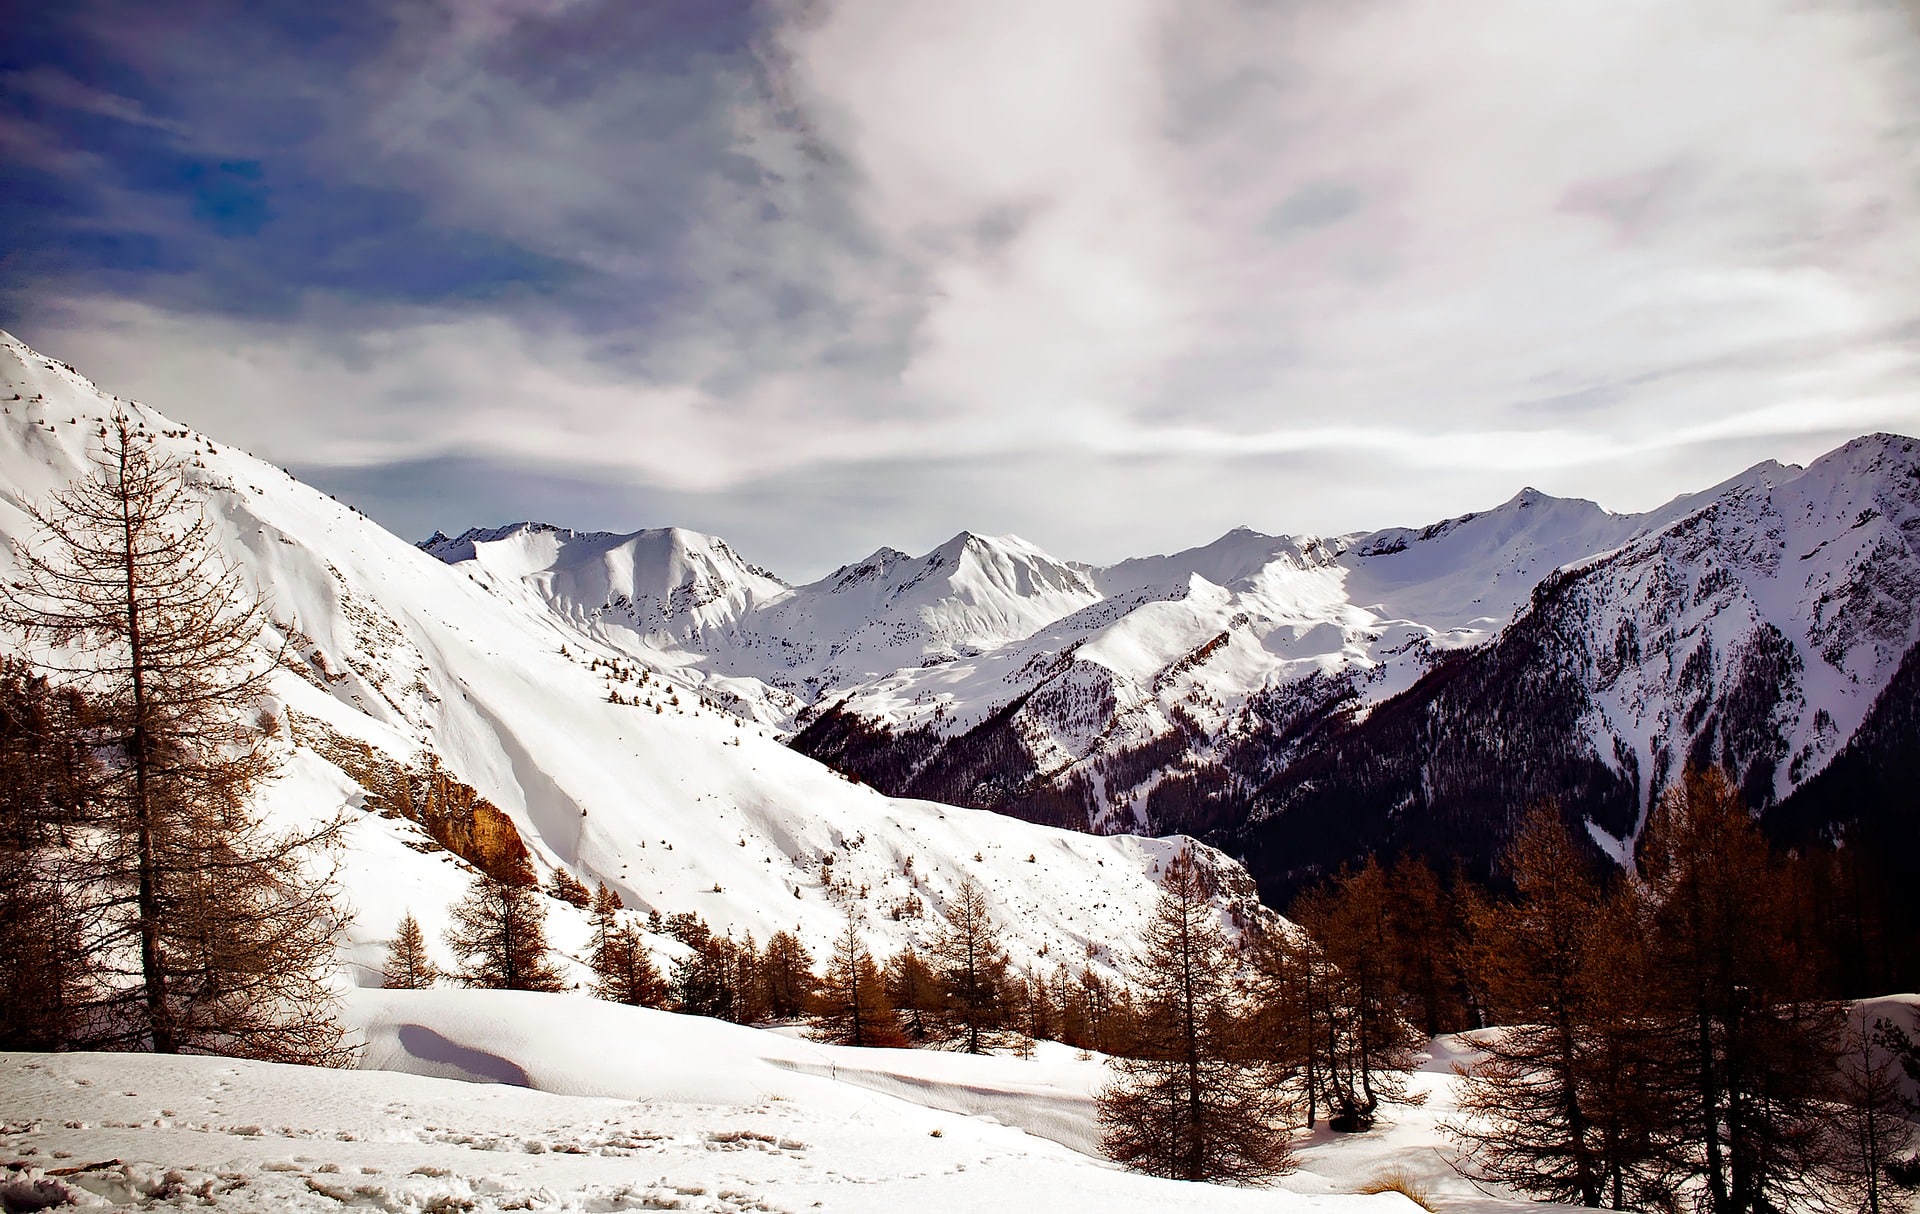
(1300, 702)
(474, 685)
(1305, 701)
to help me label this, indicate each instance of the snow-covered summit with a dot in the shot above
(665, 584)
(989, 645)
(621, 771)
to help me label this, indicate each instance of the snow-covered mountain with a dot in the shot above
(398, 661)
(1770, 628)
(679, 599)
(1754, 623)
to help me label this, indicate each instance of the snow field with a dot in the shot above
(617, 1108)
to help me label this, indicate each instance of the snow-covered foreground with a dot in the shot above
(590, 1106)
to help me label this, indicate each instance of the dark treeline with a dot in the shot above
(960, 992)
(1671, 1035)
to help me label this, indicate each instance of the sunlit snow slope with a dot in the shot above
(1162, 692)
(675, 805)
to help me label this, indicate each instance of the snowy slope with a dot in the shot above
(989, 673)
(589, 1106)
(1755, 632)
(675, 805)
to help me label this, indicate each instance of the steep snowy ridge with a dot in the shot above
(1756, 632)
(673, 804)
(1139, 696)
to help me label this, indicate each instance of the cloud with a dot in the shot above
(1003, 259)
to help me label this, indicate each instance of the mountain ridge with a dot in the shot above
(1187, 681)
(617, 772)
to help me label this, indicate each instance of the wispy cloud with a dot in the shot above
(1263, 262)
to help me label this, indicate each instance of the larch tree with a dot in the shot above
(719, 978)
(852, 1006)
(1369, 1048)
(408, 967)
(604, 914)
(1759, 1056)
(1293, 1018)
(787, 976)
(1190, 1100)
(48, 968)
(1426, 932)
(225, 927)
(499, 934)
(568, 888)
(972, 969)
(1873, 1115)
(623, 968)
(1562, 1105)
(915, 992)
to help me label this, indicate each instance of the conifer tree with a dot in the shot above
(1191, 1102)
(1108, 1011)
(1294, 1021)
(624, 971)
(973, 972)
(1758, 1054)
(1072, 1023)
(787, 975)
(1369, 1046)
(622, 965)
(1031, 1004)
(706, 982)
(48, 971)
(227, 925)
(1427, 939)
(1872, 1124)
(408, 966)
(750, 1003)
(499, 934)
(852, 1007)
(1565, 1103)
(564, 886)
(916, 994)
(604, 914)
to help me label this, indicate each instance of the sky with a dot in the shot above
(1113, 275)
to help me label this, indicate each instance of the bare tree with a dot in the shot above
(136, 603)
(852, 1007)
(1872, 1126)
(1192, 1102)
(972, 970)
(408, 966)
(499, 934)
